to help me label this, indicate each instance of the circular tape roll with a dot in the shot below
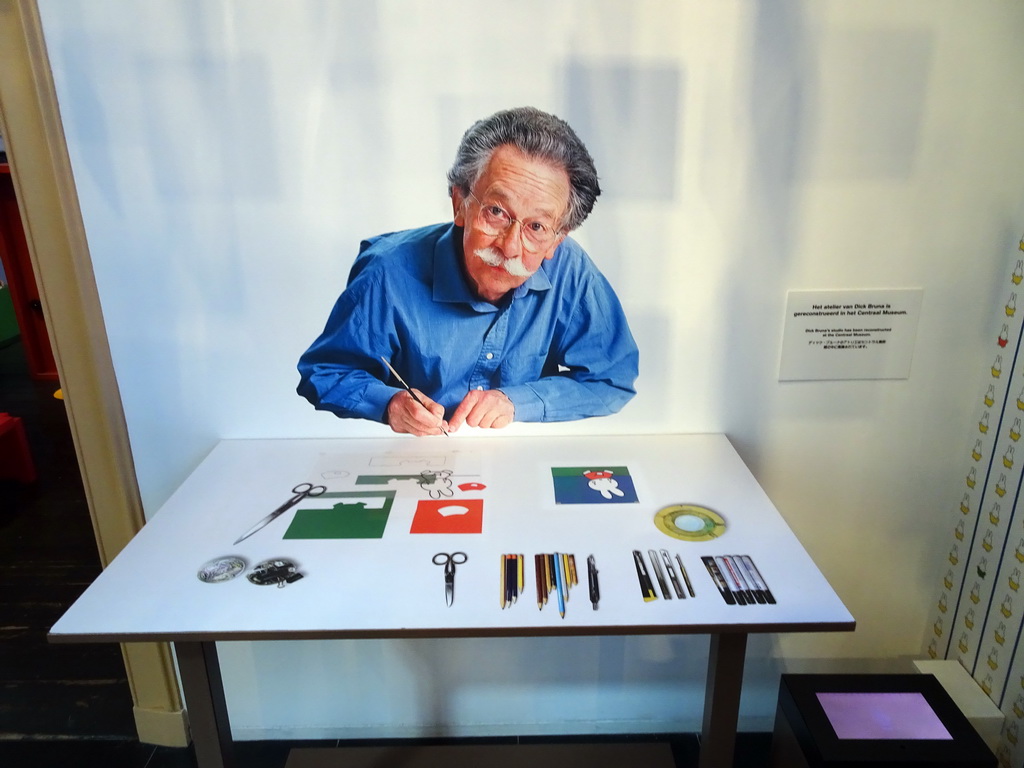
(690, 522)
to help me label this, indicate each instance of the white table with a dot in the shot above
(216, 505)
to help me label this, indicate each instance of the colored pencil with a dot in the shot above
(560, 585)
(502, 588)
(540, 580)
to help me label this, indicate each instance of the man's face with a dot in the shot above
(528, 190)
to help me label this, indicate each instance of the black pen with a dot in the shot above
(595, 589)
(409, 390)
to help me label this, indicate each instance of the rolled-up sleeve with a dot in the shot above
(342, 372)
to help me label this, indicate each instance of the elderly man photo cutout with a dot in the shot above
(494, 317)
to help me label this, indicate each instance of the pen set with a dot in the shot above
(665, 572)
(738, 580)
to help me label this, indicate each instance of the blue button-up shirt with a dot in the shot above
(558, 346)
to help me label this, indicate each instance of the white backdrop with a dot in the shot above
(229, 156)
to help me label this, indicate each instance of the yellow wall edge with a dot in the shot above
(44, 183)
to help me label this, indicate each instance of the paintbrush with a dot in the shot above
(408, 389)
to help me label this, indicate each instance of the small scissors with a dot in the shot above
(301, 491)
(449, 561)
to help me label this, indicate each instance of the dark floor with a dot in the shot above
(69, 705)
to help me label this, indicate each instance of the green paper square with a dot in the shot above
(344, 520)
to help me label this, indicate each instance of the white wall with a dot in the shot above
(229, 157)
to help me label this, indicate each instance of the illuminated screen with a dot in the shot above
(882, 716)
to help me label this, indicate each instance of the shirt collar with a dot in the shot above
(451, 285)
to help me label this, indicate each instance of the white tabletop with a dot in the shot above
(388, 587)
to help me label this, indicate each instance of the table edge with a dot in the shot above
(400, 634)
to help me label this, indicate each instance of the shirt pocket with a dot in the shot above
(522, 368)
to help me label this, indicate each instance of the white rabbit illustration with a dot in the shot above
(604, 483)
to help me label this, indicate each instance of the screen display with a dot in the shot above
(882, 716)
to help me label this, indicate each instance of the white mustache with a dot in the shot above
(514, 267)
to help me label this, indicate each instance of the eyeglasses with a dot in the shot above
(492, 219)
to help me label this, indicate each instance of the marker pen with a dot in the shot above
(719, 579)
(761, 583)
(741, 566)
(731, 580)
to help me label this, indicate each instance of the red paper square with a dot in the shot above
(448, 516)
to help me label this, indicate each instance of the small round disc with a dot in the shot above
(221, 569)
(690, 522)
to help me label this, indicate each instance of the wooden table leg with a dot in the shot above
(204, 700)
(722, 700)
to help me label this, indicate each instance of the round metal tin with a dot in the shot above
(221, 569)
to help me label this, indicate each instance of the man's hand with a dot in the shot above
(406, 416)
(487, 408)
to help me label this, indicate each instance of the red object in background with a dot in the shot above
(448, 516)
(22, 283)
(15, 460)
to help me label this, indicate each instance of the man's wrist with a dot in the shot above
(510, 402)
(526, 404)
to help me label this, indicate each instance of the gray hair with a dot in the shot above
(539, 135)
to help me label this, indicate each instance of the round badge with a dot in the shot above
(690, 522)
(221, 569)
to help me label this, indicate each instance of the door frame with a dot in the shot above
(44, 184)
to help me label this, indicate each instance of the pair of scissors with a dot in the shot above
(449, 561)
(301, 491)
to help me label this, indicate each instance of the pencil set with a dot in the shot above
(738, 580)
(554, 574)
(511, 579)
(664, 570)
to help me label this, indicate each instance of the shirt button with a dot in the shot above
(490, 355)
(480, 389)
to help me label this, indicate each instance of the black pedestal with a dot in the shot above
(828, 721)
